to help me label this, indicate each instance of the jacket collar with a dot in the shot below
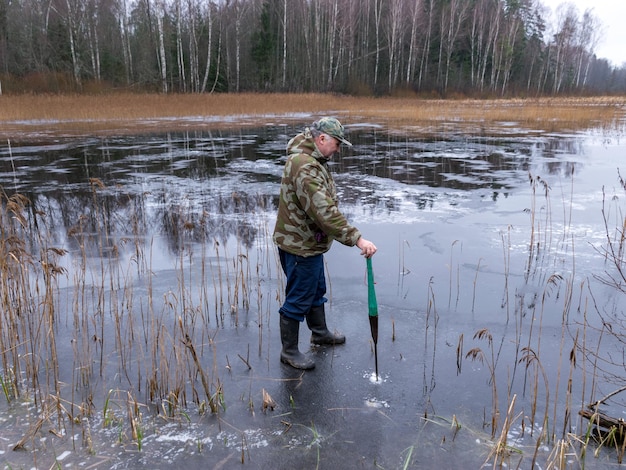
(304, 143)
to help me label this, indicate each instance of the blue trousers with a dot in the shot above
(306, 284)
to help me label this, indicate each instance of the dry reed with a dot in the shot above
(127, 112)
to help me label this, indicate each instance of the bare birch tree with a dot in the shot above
(513, 24)
(180, 55)
(452, 18)
(395, 23)
(208, 19)
(416, 8)
(332, 35)
(160, 13)
(127, 53)
(194, 59)
(72, 18)
(424, 62)
(563, 42)
(484, 30)
(93, 20)
(588, 36)
(284, 25)
(378, 6)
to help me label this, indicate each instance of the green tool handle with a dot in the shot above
(372, 304)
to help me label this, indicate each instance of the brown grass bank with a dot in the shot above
(124, 113)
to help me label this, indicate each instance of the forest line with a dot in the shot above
(435, 48)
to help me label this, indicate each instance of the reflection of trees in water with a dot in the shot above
(218, 217)
(190, 187)
(103, 221)
(463, 163)
(561, 145)
(202, 156)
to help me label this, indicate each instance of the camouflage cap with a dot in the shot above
(332, 127)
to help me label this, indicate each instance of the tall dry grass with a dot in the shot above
(127, 112)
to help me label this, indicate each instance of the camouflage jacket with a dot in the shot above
(308, 218)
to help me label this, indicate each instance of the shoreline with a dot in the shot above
(23, 116)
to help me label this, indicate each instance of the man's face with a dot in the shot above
(327, 145)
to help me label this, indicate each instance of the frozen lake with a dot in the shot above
(154, 341)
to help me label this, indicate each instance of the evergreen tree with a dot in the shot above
(264, 42)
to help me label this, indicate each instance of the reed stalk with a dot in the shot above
(477, 354)
(506, 249)
(475, 283)
(432, 321)
(501, 449)
(452, 270)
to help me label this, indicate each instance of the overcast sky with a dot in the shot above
(612, 14)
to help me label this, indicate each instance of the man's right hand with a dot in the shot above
(367, 247)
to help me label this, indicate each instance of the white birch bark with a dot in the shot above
(125, 37)
(458, 10)
(94, 42)
(417, 6)
(426, 50)
(194, 60)
(72, 39)
(395, 33)
(284, 44)
(180, 56)
(378, 5)
(209, 21)
(331, 42)
(162, 56)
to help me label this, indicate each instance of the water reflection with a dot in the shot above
(206, 185)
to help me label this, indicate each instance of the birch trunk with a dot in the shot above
(284, 44)
(458, 9)
(417, 5)
(94, 49)
(126, 50)
(395, 32)
(426, 50)
(72, 39)
(377, 17)
(194, 69)
(180, 56)
(331, 43)
(209, 22)
(237, 46)
(162, 56)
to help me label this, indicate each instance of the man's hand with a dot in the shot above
(367, 247)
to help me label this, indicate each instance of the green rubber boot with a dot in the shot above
(316, 320)
(289, 329)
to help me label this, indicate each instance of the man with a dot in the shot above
(308, 221)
